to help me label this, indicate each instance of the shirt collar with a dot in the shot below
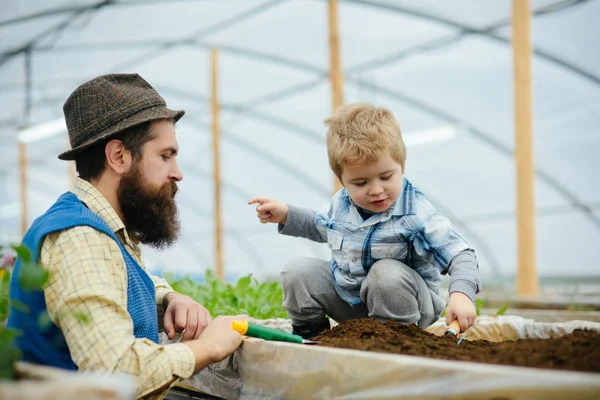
(405, 203)
(97, 203)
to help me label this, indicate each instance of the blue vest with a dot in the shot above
(44, 343)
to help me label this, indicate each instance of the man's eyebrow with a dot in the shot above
(172, 150)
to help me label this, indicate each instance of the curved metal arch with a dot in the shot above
(496, 145)
(469, 30)
(244, 144)
(270, 158)
(55, 29)
(75, 11)
(403, 98)
(293, 128)
(62, 10)
(202, 32)
(434, 111)
(494, 264)
(465, 30)
(49, 13)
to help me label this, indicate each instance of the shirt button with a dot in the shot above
(362, 229)
(387, 214)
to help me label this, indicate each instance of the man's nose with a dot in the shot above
(176, 174)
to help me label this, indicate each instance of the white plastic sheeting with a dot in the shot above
(433, 63)
(276, 370)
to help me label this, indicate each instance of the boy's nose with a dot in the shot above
(375, 190)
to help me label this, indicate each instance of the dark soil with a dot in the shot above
(579, 351)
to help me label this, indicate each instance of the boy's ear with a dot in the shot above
(118, 158)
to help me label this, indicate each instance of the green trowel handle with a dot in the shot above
(263, 332)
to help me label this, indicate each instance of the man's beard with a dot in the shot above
(150, 213)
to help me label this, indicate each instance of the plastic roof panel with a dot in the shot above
(557, 31)
(432, 63)
(154, 22)
(291, 29)
(21, 8)
(472, 13)
(15, 36)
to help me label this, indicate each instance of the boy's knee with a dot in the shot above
(295, 270)
(390, 275)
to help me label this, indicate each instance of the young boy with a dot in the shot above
(388, 244)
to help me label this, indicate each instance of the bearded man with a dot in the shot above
(124, 145)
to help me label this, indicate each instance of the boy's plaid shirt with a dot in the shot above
(409, 231)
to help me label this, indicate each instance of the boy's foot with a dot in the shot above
(310, 330)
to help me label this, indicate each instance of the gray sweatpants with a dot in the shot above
(391, 291)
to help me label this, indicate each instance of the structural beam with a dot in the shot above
(214, 55)
(335, 67)
(527, 279)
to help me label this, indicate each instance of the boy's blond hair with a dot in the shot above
(359, 133)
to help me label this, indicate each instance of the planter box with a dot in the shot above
(277, 370)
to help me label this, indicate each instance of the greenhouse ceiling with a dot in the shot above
(439, 66)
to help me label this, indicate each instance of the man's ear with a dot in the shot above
(118, 158)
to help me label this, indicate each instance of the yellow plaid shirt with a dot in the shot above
(86, 298)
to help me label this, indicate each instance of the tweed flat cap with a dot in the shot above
(109, 104)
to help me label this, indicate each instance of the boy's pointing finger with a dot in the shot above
(260, 200)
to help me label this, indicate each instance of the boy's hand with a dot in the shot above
(270, 210)
(461, 307)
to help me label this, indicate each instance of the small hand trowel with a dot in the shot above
(454, 329)
(264, 332)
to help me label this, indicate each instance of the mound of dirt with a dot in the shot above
(578, 351)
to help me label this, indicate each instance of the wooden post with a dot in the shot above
(527, 279)
(335, 67)
(23, 184)
(216, 162)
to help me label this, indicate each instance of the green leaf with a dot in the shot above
(169, 277)
(503, 309)
(8, 334)
(243, 283)
(9, 354)
(33, 277)
(43, 321)
(83, 317)
(479, 304)
(23, 253)
(19, 306)
(247, 295)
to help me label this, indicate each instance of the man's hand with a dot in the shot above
(461, 307)
(270, 210)
(183, 313)
(217, 341)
